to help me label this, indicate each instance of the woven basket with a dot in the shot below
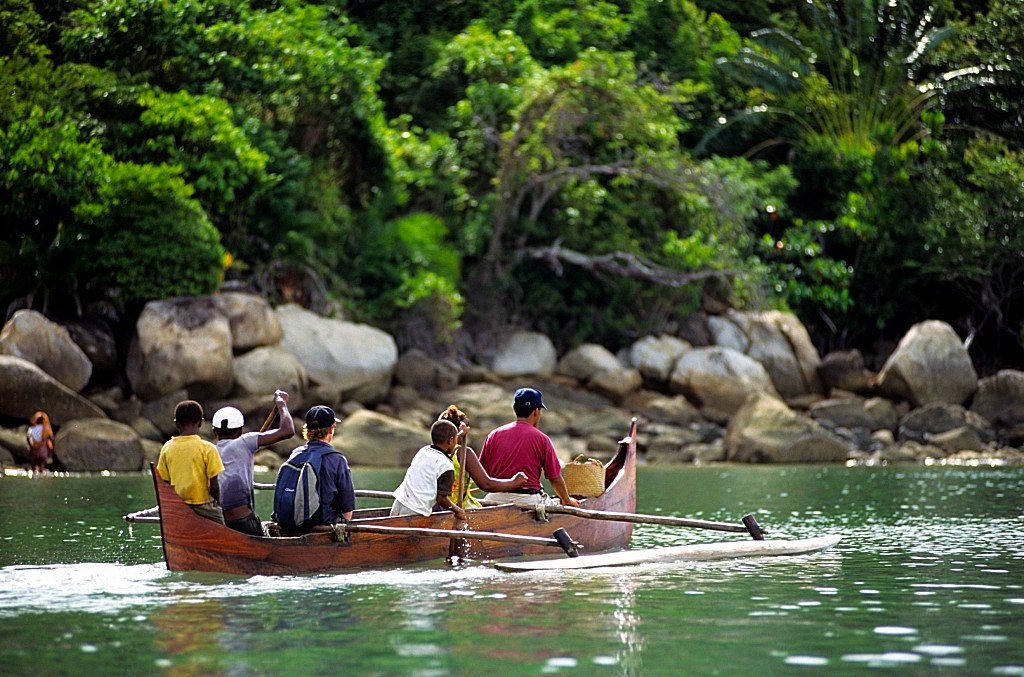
(584, 477)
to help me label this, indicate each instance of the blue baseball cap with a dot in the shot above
(320, 417)
(529, 397)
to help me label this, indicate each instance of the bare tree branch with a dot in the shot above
(622, 264)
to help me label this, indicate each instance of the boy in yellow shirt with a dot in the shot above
(191, 464)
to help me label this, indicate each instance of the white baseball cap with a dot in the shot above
(228, 418)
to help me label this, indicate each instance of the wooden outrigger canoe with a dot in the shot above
(192, 543)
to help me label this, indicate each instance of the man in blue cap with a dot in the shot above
(520, 447)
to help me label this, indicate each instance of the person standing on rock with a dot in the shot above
(40, 441)
(191, 464)
(236, 451)
(520, 447)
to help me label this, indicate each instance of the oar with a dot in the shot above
(560, 538)
(637, 518)
(457, 546)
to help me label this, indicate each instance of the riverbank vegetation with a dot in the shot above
(596, 170)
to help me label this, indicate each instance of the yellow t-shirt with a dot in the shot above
(188, 462)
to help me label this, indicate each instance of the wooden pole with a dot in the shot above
(645, 519)
(270, 418)
(454, 533)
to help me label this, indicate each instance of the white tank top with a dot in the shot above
(418, 491)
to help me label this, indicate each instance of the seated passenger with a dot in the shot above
(191, 464)
(464, 455)
(236, 451)
(430, 476)
(520, 446)
(336, 498)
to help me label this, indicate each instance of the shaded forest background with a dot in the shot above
(593, 169)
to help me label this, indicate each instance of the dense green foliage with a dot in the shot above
(430, 164)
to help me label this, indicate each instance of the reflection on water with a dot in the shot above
(930, 575)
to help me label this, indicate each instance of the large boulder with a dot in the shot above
(13, 440)
(30, 336)
(264, 370)
(525, 353)
(847, 412)
(1000, 398)
(97, 341)
(25, 389)
(615, 383)
(160, 412)
(90, 445)
(586, 361)
(655, 356)
(921, 424)
(844, 370)
(778, 341)
(720, 379)
(370, 438)
(418, 370)
(181, 343)
(930, 364)
(253, 322)
(356, 358)
(765, 430)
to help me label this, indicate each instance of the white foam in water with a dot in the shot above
(806, 660)
(113, 587)
(894, 630)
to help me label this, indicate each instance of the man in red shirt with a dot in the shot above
(520, 447)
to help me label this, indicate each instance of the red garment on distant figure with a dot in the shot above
(518, 446)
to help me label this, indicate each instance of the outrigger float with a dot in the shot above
(374, 540)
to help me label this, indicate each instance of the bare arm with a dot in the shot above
(215, 489)
(558, 484)
(485, 481)
(444, 500)
(286, 429)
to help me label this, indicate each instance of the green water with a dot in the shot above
(930, 577)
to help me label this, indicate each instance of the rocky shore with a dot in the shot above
(744, 387)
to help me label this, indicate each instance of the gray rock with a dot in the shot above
(1000, 398)
(778, 341)
(268, 459)
(403, 397)
(151, 451)
(675, 410)
(883, 437)
(957, 439)
(720, 379)
(655, 356)
(882, 413)
(370, 438)
(694, 330)
(91, 445)
(145, 429)
(418, 370)
(525, 353)
(253, 322)
(13, 440)
(264, 370)
(931, 420)
(25, 389)
(32, 337)
(617, 383)
(160, 412)
(844, 370)
(847, 412)
(97, 341)
(588, 360)
(708, 452)
(6, 458)
(765, 430)
(356, 358)
(181, 343)
(109, 400)
(929, 365)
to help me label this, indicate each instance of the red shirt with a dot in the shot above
(518, 446)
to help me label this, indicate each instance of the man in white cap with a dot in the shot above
(236, 451)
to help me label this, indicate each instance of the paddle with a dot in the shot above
(457, 547)
(560, 538)
(638, 518)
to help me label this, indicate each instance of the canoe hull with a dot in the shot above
(192, 543)
(680, 553)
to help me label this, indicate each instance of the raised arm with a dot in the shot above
(476, 470)
(286, 429)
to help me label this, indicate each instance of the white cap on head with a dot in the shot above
(228, 418)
